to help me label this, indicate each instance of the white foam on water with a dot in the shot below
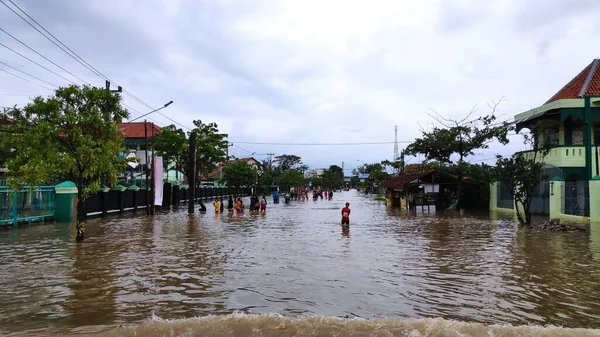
(271, 325)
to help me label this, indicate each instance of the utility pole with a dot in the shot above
(146, 169)
(270, 160)
(192, 173)
(154, 182)
(119, 89)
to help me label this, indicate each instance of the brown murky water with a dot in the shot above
(421, 275)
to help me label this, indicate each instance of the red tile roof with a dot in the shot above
(586, 83)
(136, 130)
(404, 179)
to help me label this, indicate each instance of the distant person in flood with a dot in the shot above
(346, 215)
(217, 205)
(202, 207)
(276, 198)
(238, 206)
(222, 205)
(263, 204)
(230, 205)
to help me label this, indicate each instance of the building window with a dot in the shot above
(551, 135)
(577, 134)
(596, 134)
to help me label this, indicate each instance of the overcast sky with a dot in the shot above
(311, 71)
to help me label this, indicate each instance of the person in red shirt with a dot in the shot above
(346, 214)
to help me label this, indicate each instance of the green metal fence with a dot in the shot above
(30, 204)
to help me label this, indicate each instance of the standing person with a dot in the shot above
(230, 205)
(263, 204)
(346, 215)
(222, 204)
(217, 205)
(330, 194)
(252, 203)
(238, 205)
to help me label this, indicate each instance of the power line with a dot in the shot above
(44, 57)
(16, 95)
(76, 57)
(34, 62)
(85, 64)
(24, 79)
(22, 72)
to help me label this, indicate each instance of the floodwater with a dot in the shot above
(296, 272)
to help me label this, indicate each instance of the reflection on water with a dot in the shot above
(293, 261)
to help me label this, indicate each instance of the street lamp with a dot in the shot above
(155, 110)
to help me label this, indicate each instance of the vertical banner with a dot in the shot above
(157, 178)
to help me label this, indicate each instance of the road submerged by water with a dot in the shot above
(422, 274)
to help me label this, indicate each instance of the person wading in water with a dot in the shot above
(230, 205)
(346, 215)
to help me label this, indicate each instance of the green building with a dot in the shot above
(571, 121)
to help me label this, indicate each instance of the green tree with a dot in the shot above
(266, 178)
(71, 135)
(172, 144)
(239, 174)
(211, 148)
(291, 178)
(317, 182)
(460, 138)
(287, 161)
(333, 177)
(521, 174)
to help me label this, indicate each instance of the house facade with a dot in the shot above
(570, 123)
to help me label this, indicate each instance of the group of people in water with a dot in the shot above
(260, 204)
(237, 206)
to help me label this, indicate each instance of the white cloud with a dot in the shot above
(317, 71)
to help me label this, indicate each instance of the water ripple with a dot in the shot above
(297, 261)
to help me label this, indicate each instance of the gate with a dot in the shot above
(29, 204)
(540, 199)
(576, 198)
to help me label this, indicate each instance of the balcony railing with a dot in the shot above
(561, 156)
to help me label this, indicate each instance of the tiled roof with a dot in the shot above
(586, 83)
(403, 180)
(136, 130)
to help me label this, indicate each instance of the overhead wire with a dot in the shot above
(22, 72)
(42, 56)
(26, 80)
(57, 42)
(34, 62)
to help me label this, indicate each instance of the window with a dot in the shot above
(551, 135)
(577, 134)
(596, 134)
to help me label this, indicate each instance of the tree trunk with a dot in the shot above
(80, 219)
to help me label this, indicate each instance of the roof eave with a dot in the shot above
(540, 111)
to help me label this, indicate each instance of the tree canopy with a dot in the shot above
(71, 135)
(333, 177)
(521, 174)
(239, 174)
(211, 148)
(291, 178)
(459, 137)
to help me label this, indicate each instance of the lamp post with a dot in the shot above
(155, 110)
